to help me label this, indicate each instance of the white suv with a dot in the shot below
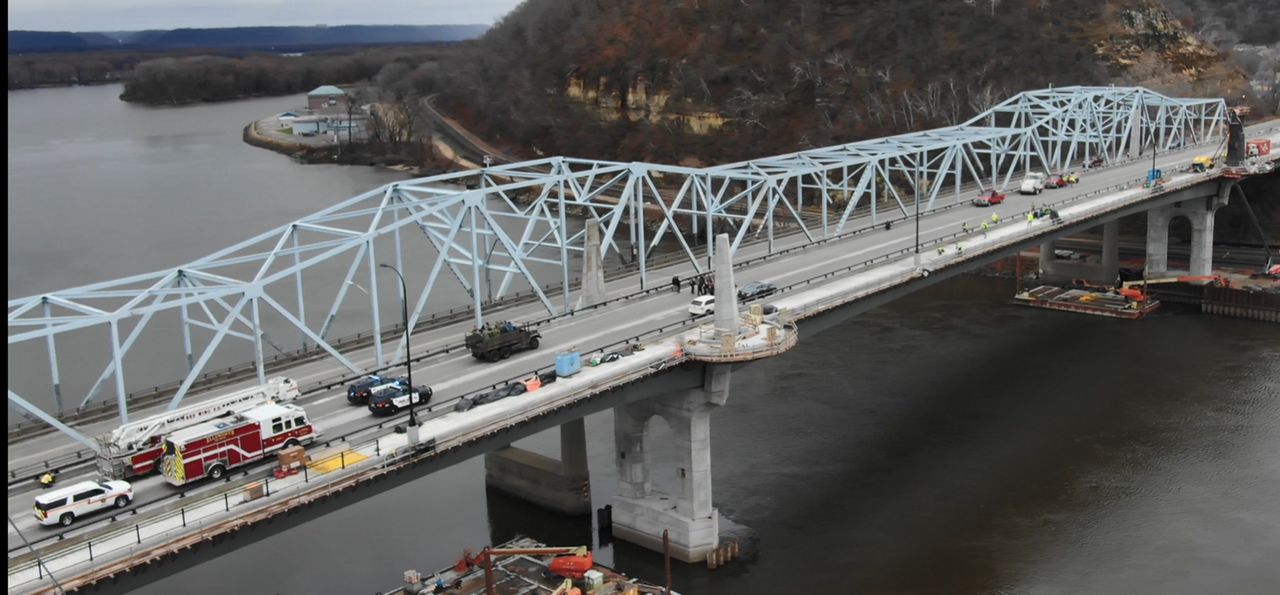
(704, 304)
(63, 506)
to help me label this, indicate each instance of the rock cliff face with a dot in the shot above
(722, 80)
(642, 101)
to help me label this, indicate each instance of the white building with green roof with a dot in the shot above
(327, 97)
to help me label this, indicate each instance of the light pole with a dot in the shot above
(915, 185)
(408, 361)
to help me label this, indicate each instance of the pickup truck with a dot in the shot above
(1033, 183)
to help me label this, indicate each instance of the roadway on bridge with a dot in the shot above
(456, 374)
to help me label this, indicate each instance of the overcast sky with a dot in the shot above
(128, 15)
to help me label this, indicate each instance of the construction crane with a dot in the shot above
(1215, 280)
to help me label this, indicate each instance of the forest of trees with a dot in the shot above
(787, 75)
(215, 78)
(75, 68)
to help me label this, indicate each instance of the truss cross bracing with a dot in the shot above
(523, 224)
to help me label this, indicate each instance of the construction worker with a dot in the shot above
(1031, 218)
(941, 251)
(48, 477)
(964, 226)
(995, 219)
(984, 229)
(958, 248)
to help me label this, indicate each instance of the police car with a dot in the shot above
(392, 398)
(64, 505)
(360, 390)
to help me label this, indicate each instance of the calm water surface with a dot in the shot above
(949, 442)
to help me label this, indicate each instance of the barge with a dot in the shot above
(1087, 302)
(524, 566)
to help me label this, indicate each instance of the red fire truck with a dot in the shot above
(134, 448)
(211, 449)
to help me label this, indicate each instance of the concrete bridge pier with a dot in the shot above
(1104, 272)
(563, 486)
(1199, 211)
(640, 511)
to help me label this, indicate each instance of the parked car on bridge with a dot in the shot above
(63, 506)
(359, 391)
(703, 304)
(990, 199)
(756, 289)
(390, 399)
(1033, 183)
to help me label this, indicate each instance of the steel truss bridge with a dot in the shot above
(515, 220)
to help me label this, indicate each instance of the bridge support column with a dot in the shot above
(1157, 243)
(1111, 250)
(563, 486)
(1200, 213)
(1047, 258)
(1104, 272)
(640, 511)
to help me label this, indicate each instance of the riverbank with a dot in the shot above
(417, 159)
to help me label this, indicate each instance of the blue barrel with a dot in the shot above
(568, 363)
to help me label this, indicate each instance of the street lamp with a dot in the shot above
(915, 185)
(408, 361)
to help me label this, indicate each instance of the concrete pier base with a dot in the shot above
(563, 486)
(640, 511)
(642, 520)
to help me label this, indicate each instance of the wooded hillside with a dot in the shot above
(723, 80)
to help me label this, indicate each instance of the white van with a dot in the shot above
(703, 304)
(63, 506)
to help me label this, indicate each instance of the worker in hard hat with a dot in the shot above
(995, 218)
(984, 229)
(48, 477)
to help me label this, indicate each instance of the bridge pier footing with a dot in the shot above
(563, 486)
(640, 511)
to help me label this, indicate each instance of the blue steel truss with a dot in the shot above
(507, 219)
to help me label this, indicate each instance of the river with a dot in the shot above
(948, 442)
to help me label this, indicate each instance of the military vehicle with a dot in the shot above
(496, 342)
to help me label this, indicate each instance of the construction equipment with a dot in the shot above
(570, 562)
(1215, 280)
(1203, 163)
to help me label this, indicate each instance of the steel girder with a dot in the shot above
(512, 218)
